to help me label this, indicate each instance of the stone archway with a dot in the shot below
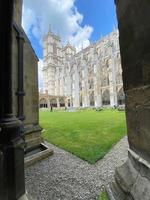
(43, 103)
(53, 102)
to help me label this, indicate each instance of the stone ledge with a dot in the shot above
(32, 159)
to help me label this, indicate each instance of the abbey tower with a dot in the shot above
(89, 78)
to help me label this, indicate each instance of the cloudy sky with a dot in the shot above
(77, 21)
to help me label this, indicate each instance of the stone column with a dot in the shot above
(48, 103)
(132, 180)
(12, 183)
(76, 98)
(58, 103)
(112, 83)
(98, 97)
(86, 101)
(66, 102)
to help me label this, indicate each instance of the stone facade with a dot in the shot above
(25, 65)
(89, 78)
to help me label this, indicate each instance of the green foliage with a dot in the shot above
(87, 134)
(104, 196)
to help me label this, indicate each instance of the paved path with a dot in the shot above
(64, 176)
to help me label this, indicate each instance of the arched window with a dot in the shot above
(104, 75)
(92, 101)
(106, 97)
(121, 97)
(54, 49)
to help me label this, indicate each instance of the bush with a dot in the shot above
(121, 108)
(99, 109)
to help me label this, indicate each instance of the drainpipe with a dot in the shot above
(20, 93)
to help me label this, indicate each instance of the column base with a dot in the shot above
(132, 180)
(24, 197)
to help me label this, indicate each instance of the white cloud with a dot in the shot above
(61, 15)
(80, 40)
(40, 75)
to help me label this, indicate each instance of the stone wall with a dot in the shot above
(133, 178)
(30, 76)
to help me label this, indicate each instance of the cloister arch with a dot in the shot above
(62, 102)
(53, 102)
(43, 103)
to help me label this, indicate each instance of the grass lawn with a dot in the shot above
(87, 134)
(103, 196)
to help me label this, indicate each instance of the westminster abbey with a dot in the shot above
(91, 77)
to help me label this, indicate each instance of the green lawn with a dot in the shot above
(103, 196)
(87, 134)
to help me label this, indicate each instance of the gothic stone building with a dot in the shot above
(89, 78)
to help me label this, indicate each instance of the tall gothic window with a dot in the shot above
(106, 97)
(92, 100)
(54, 48)
(104, 76)
(121, 97)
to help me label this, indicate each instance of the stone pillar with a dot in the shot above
(76, 103)
(12, 183)
(98, 97)
(132, 180)
(98, 101)
(112, 83)
(86, 100)
(66, 102)
(48, 103)
(58, 103)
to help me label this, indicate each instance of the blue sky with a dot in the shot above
(78, 21)
(94, 18)
(100, 14)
